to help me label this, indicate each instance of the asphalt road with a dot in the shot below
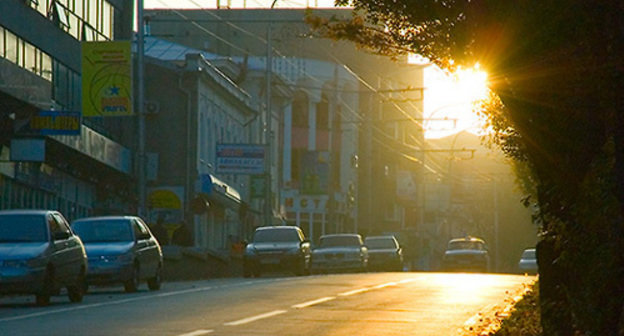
(379, 304)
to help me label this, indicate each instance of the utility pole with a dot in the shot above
(139, 106)
(268, 206)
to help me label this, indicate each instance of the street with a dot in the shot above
(337, 304)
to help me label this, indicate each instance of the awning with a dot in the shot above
(219, 191)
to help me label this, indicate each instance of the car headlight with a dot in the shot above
(250, 250)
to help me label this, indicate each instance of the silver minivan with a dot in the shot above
(39, 254)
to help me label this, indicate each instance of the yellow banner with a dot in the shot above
(106, 79)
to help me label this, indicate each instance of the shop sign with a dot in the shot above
(305, 203)
(240, 159)
(56, 123)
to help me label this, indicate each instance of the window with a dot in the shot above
(11, 46)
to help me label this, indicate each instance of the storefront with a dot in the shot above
(221, 225)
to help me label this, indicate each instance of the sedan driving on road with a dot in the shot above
(343, 251)
(466, 254)
(121, 249)
(39, 254)
(384, 253)
(528, 262)
(277, 247)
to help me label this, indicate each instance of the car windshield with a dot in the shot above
(380, 243)
(465, 245)
(108, 230)
(332, 241)
(22, 228)
(528, 254)
(276, 236)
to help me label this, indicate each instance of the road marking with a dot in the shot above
(355, 291)
(313, 302)
(255, 318)
(117, 302)
(197, 332)
(385, 285)
(404, 281)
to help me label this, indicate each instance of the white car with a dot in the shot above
(342, 251)
(528, 262)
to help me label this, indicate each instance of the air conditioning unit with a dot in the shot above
(151, 107)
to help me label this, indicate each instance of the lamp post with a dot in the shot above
(268, 207)
(139, 111)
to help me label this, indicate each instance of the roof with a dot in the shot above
(26, 211)
(279, 227)
(99, 218)
(341, 235)
(468, 238)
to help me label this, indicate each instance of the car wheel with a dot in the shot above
(43, 297)
(155, 282)
(76, 291)
(132, 284)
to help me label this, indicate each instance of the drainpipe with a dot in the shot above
(187, 175)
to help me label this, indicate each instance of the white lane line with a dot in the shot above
(117, 302)
(385, 285)
(255, 318)
(198, 332)
(355, 291)
(313, 302)
(404, 281)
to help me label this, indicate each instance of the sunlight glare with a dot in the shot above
(453, 96)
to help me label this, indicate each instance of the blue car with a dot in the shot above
(121, 250)
(39, 254)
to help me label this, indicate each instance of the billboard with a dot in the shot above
(240, 159)
(106, 79)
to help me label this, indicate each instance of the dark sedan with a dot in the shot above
(277, 248)
(121, 249)
(39, 254)
(384, 253)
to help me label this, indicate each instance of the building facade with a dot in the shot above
(82, 169)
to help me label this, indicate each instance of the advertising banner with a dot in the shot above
(240, 159)
(106, 79)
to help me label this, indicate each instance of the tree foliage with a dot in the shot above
(556, 68)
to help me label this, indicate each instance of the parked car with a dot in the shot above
(528, 262)
(466, 254)
(277, 248)
(341, 251)
(384, 253)
(39, 254)
(121, 249)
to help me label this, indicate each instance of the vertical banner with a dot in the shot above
(106, 79)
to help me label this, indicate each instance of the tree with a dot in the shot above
(556, 67)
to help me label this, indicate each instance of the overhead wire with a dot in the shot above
(305, 73)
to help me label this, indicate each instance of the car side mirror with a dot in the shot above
(61, 235)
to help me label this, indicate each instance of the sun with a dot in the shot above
(450, 99)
